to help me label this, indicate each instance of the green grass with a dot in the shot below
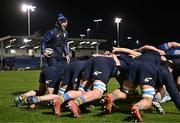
(12, 83)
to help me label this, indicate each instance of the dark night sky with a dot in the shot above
(147, 20)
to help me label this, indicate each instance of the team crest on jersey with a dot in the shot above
(118, 72)
(64, 34)
(147, 79)
(48, 81)
(97, 73)
(58, 35)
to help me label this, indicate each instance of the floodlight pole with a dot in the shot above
(118, 21)
(29, 27)
(97, 22)
(97, 48)
(28, 8)
(88, 30)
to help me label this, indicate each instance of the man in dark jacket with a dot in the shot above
(54, 42)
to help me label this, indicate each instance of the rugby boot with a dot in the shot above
(136, 113)
(158, 107)
(74, 109)
(33, 100)
(107, 104)
(19, 101)
(57, 106)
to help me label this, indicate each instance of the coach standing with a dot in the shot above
(54, 42)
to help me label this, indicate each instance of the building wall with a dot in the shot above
(26, 52)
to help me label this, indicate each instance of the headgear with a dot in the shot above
(61, 19)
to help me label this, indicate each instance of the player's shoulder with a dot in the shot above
(54, 30)
(164, 71)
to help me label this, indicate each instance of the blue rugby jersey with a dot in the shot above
(168, 80)
(56, 39)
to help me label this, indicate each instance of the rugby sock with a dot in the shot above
(23, 96)
(64, 98)
(157, 98)
(80, 100)
(35, 99)
(61, 91)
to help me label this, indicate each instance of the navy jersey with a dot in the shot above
(142, 73)
(168, 81)
(86, 74)
(169, 50)
(149, 56)
(176, 68)
(51, 76)
(125, 61)
(164, 46)
(143, 69)
(121, 72)
(172, 52)
(102, 68)
(72, 73)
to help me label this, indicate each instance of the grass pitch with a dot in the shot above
(16, 82)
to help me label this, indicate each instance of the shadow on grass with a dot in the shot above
(39, 106)
(18, 92)
(121, 106)
(48, 113)
(128, 119)
(64, 114)
(152, 110)
(173, 113)
(69, 115)
(26, 108)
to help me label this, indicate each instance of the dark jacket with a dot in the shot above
(56, 39)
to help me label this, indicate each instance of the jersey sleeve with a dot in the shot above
(46, 38)
(172, 89)
(164, 46)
